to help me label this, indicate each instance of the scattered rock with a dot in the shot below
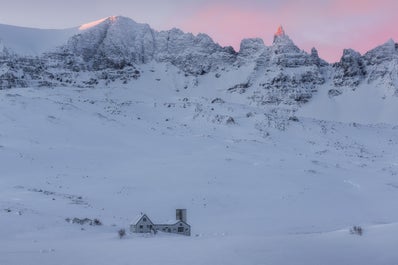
(217, 100)
(84, 221)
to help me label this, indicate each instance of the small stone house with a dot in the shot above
(144, 225)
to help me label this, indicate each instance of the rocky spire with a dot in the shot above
(280, 32)
(282, 43)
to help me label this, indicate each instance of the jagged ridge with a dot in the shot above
(114, 48)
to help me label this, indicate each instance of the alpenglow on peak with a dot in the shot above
(279, 32)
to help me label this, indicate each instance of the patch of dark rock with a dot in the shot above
(230, 120)
(249, 114)
(84, 221)
(217, 100)
(240, 88)
(334, 92)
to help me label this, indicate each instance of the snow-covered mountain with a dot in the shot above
(116, 48)
(120, 41)
(275, 153)
(363, 88)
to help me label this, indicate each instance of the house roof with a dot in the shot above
(170, 222)
(140, 216)
(174, 222)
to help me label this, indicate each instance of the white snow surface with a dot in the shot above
(254, 194)
(32, 41)
(368, 104)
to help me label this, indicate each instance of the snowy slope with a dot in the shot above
(255, 194)
(364, 88)
(368, 104)
(31, 41)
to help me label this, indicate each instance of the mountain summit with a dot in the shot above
(280, 32)
(97, 22)
(283, 43)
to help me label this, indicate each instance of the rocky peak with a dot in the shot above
(280, 32)
(350, 71)
(314, 53)
(382, 65)
(113, 42)
(92, 24)
(274, 81)
(282, 43)
(315, 59)
(116, 42)
(251, 46)
(348, 54)
(285, 53)
(384, 52)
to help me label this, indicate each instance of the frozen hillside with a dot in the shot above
(255, 193)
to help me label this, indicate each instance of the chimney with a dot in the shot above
(181, 215)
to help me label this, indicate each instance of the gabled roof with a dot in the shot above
(140, 216)
(179, 221)
(171, 222)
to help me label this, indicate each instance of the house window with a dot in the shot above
(144, 219)
(141, 226)
(181, 229)
(149, 226)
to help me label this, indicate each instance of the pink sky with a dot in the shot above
(328, 25)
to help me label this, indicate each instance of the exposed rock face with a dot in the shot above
(283, 73)
(251, 48)
(118, 42)
(378, 66)
(114, 43)
(283, 44)
(350, 71)
(383, 53)
(315, 59)
(193, 54)
(382, 65)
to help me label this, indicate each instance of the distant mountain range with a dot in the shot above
(114, 50)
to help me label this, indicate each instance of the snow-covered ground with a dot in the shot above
(368, 104)
(255, 194)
